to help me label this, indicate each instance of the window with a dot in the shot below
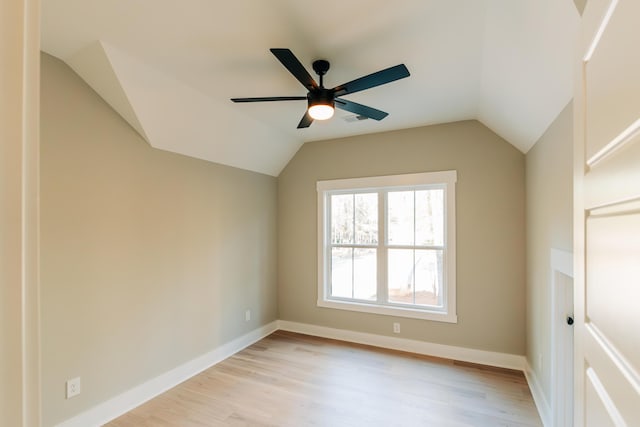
(386, 245)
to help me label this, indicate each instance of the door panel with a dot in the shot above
(611, 76)
(615, 376)
(615, 177)
(607, 197)
(597, 402)
(613, 294)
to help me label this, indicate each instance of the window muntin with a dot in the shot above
(387, 245)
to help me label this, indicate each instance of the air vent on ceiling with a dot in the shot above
(355, 118)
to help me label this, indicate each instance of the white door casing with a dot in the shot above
(19, 193)
(607, 216)
(561, 338)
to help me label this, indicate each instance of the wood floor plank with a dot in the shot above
(296, 380)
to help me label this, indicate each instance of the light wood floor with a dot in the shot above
(296, 380)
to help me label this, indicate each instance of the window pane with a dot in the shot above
(342, 272)
(430, 217)
(342, 218)
(365, 269)
(400, 210)
(400, 275)
(383, 245)
(428, 277)
(366, 218)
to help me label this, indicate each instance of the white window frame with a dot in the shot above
(443, 179)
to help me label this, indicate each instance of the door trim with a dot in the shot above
(561, 263)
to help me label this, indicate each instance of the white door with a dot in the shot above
(607, 216)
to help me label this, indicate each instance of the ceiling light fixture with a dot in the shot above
(321, 104)
(321, 111)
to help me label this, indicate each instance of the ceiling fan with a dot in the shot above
(322, 101)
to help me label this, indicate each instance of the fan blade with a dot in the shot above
(271, 98)
(306, 121)
(294, 66)
(381, 77)
(360, 109)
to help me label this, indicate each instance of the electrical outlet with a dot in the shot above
(247, 315)
(396, 328)
(73, 387)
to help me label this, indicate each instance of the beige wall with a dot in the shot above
(549, 225)
(490, 230)
(149, 259)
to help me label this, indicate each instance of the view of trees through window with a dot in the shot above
(408, 243)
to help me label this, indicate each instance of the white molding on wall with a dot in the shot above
(538, 395)
(562, 261)
(501, 360)
(113, 408)
(140, 394)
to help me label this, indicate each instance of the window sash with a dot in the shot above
(413, 182)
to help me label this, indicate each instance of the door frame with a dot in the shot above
(19, 219)
(561, 265)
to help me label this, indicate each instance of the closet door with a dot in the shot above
(607, 216)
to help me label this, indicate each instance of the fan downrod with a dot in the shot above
(321, 67)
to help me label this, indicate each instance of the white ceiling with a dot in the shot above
(169, 67)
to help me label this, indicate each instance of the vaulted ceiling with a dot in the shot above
(170, 67)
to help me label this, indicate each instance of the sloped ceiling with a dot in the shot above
(169, 68)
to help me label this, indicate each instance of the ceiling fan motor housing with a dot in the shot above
(321, 96)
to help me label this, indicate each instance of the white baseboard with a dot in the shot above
(138, 395)
(113, 408)
(501, 360)
(538, 395)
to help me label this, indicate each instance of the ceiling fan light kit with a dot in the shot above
(321, 111)
(322, 101)
(321, 104)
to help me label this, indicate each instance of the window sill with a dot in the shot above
(390, 311)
